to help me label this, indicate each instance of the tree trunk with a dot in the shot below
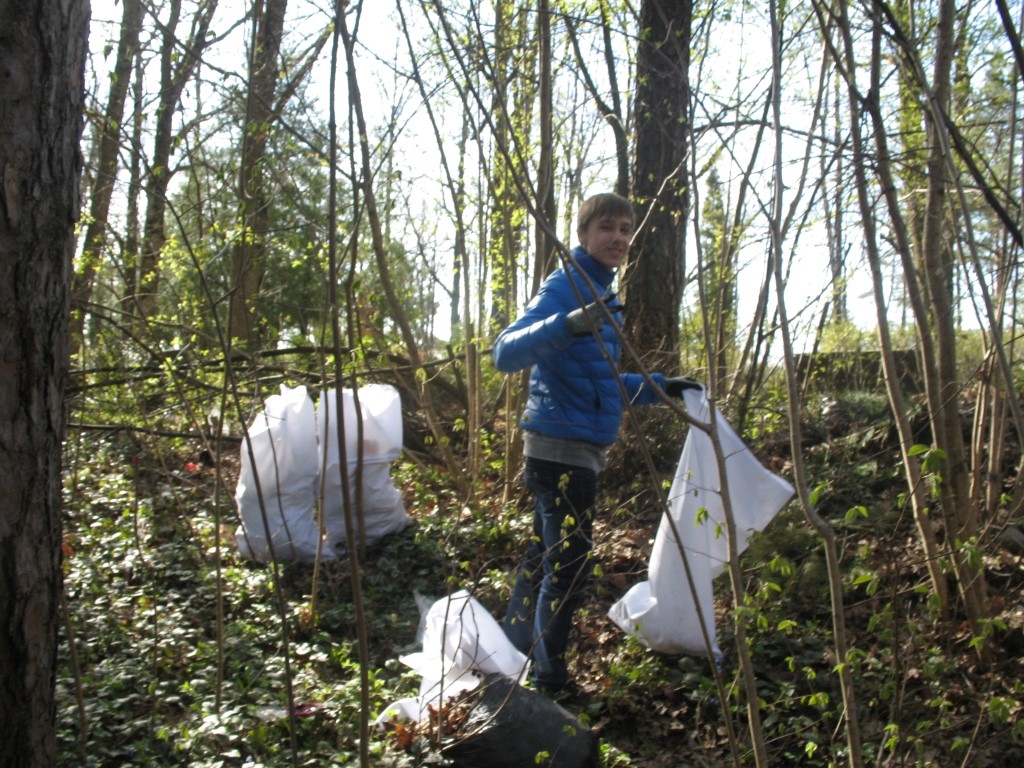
(834, 226)
(943, 390)
(654, 277)
(719, 240)
(544, 227)
(929, 285)
(42, 60)
(177, 63)
(917, 491)
(250, 254)
(365, 181)
(110, 134)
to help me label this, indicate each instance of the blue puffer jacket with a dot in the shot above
(574, 394)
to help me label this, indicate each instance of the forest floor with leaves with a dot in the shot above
(176, 651)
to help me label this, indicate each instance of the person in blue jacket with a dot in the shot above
(572, 417)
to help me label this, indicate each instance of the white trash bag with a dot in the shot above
(507, 725)
(284, 461)
(291, 442)
(661, 612)
(383, 509)
(462, 643)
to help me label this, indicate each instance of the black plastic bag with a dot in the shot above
(513, 727)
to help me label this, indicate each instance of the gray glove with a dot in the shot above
(589, 319)
(675, 387)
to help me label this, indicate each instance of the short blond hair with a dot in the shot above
(604, 204)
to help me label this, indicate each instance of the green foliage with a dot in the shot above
(185, 653)
(150, 563)
(845, 336)
(142, 557)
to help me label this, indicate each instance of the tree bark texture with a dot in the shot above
(250, 257)
(42, 59)
(110, 142)
(654, 277)
(943, 390)
(177, 63)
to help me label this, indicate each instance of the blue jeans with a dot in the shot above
(557, 565)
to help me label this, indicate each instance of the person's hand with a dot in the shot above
(589, 319)
(675, 387)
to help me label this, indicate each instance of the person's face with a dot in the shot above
(607, 238)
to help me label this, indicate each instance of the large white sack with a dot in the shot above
(661, 611)
(284, 449)
(462, 643)
(381, 409)
(382, 505)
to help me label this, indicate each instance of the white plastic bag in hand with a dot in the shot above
(661, 611)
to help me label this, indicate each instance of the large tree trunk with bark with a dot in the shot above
(42, 59)
(654, 278)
